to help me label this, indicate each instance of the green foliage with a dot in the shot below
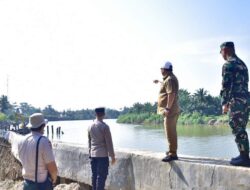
(21, 112)
(50, 113)
(4, 104)
(27, 109)
(197, 108)
(194, 118)
(154, 119)
(140, 108)
(200, 102)
(3, 117)
(184, 119)
(133, 118)
(85, 114)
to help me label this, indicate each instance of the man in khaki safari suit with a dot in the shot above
(168, 107)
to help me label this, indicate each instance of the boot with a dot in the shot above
(243, 160)
(236, 158)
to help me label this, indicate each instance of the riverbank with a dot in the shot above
(184, 119)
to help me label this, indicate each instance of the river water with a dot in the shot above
(202, 141)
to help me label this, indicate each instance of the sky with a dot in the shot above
(83, 54)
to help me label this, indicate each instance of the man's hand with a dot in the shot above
(52, 168)
(50, 144)
(156, 81)
(54, 182)
(166, 112)
(113, 160)
(225, 109)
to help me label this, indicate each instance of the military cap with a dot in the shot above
(100, 110)
(227, 45)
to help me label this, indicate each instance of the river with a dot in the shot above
(202, 141)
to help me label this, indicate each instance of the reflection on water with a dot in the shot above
(203, 131)
(204, 141)
(196, 130)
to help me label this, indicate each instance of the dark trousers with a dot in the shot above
(30, 185)
(99, 167)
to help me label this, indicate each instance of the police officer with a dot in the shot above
(100, 148)
(234, 95)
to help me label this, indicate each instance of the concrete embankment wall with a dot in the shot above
(145, 171)
(138, 170)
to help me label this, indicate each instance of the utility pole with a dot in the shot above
(7, 87)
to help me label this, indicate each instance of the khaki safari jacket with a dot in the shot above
(169, 85)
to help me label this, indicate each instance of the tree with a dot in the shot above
(50, 113)
(4, 104)
(200, 95)
(205, 104)
(137, 108)
(28, 109)
(200, 102)
(185, 100)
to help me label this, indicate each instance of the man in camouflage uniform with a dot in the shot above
(235, 97)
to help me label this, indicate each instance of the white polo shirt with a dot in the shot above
(24, 148)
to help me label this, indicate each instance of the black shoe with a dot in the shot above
(235, 158)
(169, 158)
(241, 161)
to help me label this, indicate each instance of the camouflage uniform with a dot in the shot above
(235, 94)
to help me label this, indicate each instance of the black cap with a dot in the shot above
(227, 45)
(100, 110)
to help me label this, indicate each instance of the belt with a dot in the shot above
(29, 181)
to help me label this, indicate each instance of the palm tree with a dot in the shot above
(184, 100)
(200, 95)
(206, 104)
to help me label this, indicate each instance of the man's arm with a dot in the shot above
(156, 81)
(227, 80)
(170, 102)
(109, 144)
(52, 168)
(49, 159)
(89, 142)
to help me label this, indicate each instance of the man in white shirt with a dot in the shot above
(36, 158)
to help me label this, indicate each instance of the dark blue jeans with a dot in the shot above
(30, 185)
(99, 167)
